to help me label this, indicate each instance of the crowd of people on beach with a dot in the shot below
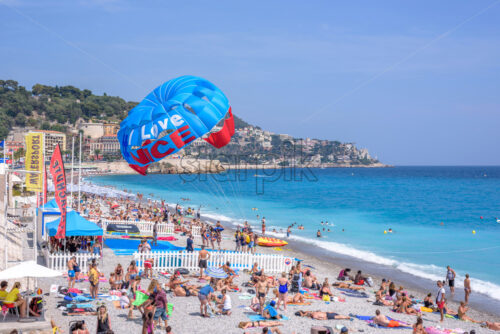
(270, 295)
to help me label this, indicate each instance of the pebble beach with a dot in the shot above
(186, 315)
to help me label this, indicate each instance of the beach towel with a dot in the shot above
(258, 317)
(82, 299)
(350, 290)
(355, 295)
(435, 330)
(394, 323)
(296, 304)
(312, 296)
(245, 297)
(79, 306)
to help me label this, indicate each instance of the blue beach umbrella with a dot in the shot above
(216, 272)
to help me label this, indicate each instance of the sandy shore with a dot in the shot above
(186, 317)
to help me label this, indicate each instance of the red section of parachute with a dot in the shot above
(139, 169)
(222, 137)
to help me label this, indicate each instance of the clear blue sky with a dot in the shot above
(416, 82)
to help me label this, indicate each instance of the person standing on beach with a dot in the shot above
(440, 299)
(237, 240)
(450, 277)
(155, 233)
(263, 225)
(282, 290)
(288, 231)
(71, 272)
(467, 288)
(94, 280)
(189, 244)
(262, 288)
(203, 256)
(205, 295)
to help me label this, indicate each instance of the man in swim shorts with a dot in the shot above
(450, 277)
(383, 321)
(440, 299)
(320, 315)
(203, 256)
(262, 288)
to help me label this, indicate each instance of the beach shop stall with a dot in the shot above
(76, 225)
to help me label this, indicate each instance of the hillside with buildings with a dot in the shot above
(62, 113)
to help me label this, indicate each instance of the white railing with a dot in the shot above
(59, 261)
(170, 260)
(145, 227)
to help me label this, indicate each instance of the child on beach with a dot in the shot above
(224, 303)
(124, 300)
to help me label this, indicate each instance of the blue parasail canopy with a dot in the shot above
(76, 225)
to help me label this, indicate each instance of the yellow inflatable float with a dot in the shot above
(271, 242)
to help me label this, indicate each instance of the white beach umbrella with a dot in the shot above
(28, 269)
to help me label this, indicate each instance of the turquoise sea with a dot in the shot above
(433, 212)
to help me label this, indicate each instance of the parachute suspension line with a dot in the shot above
(227, 204)
(237, 198)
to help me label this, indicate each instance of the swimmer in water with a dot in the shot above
(318, 234)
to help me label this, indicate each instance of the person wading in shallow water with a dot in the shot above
(450, 277)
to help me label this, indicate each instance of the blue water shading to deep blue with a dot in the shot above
(432, 211)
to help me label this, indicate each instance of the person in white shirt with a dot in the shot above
(224, 303)
(441, 299)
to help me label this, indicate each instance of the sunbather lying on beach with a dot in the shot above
(320, 315)
(226, 283)
(265, 323)
(343, 285)
(295, 299)
(492, 325)
(383, 321)
(181, 288)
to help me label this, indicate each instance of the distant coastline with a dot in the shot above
(201, 166)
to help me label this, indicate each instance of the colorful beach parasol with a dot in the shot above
(216, 272)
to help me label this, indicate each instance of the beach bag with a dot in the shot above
(321, 330)
(326, 298)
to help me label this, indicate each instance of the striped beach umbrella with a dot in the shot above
(216, 272)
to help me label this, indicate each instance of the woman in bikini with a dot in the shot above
(325, 289)
(119, 276)
(343, 285)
